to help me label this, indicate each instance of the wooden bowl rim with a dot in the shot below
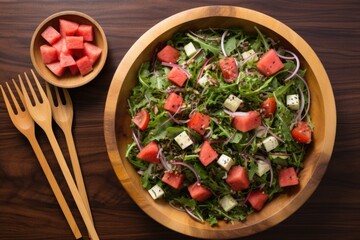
(77, 80)
(114, 94)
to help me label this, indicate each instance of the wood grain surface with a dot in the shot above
(28, 208)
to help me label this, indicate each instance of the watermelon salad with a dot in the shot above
(220, 123)
(72, 47)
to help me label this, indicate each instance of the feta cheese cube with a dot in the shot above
(232, 103)
(183, 140)
(227, 203)
(203, 80)
(190, 49)
(250, 55)
(225, 162)
(293, 102)
(156, 192)
(270, 143)
(263, 167)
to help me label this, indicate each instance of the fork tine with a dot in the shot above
(7, 102)
(31, 88)
(49, 94)
(14, 100)
(41, 90)
(21, 96)
(67, 97)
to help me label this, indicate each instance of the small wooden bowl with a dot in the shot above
(67, 80)
(323, 112)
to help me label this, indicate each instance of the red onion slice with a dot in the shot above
(236, 114)
(202, 69)
(294, 57)
(136, 140)
(163, 160)
(222, 43)
(189, 167)
(193, 215)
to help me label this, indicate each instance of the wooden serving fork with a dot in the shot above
(63, 113)
(25, 124)
(40, 111)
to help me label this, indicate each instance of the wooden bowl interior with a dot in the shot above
(116, 115)
(67, 80)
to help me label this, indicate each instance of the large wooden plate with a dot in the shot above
(118, 134)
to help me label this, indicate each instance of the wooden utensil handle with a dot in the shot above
(55, 187)
(77, 169)
(71, 183)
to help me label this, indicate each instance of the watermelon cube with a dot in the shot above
(288, 177)
(68, 28)
(92, 51)
(248, 122)
(269, 63)
(86, 31)
(59, 46)
(74, 42)
(168, 54)
(199, 192)
(150, 153)
(66, 60)
(207, 154)
(177, 76)
(77, 53)
(257, 199)
(199, 122)
(74, 69)
(56, 68)
(84, 64)
(173, 179)
(238, 178)
(173, 102)
(48, 54)
(229, 69)
(51, 35)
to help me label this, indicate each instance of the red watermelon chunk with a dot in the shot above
(84, 64)
(288, 177)
(269, 63)
(246, 123)
(257, 199)
(175, 180)
(199, 192)
(51, 35)
(77, 53)
(68, 28)
(86, 31)
(66, 59)
(168, 54)
(92, 51)
(229, 69)
(177, 76)
(173, 102)
(48, 54)
(59, 46)
(74, 42)
(238, 178)
(199, 122)
(150, 153)
(56, 68)
(74, 69)
(207, 154)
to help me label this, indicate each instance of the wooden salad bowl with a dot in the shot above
(323, 112)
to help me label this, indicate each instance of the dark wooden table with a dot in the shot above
(28, 208)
